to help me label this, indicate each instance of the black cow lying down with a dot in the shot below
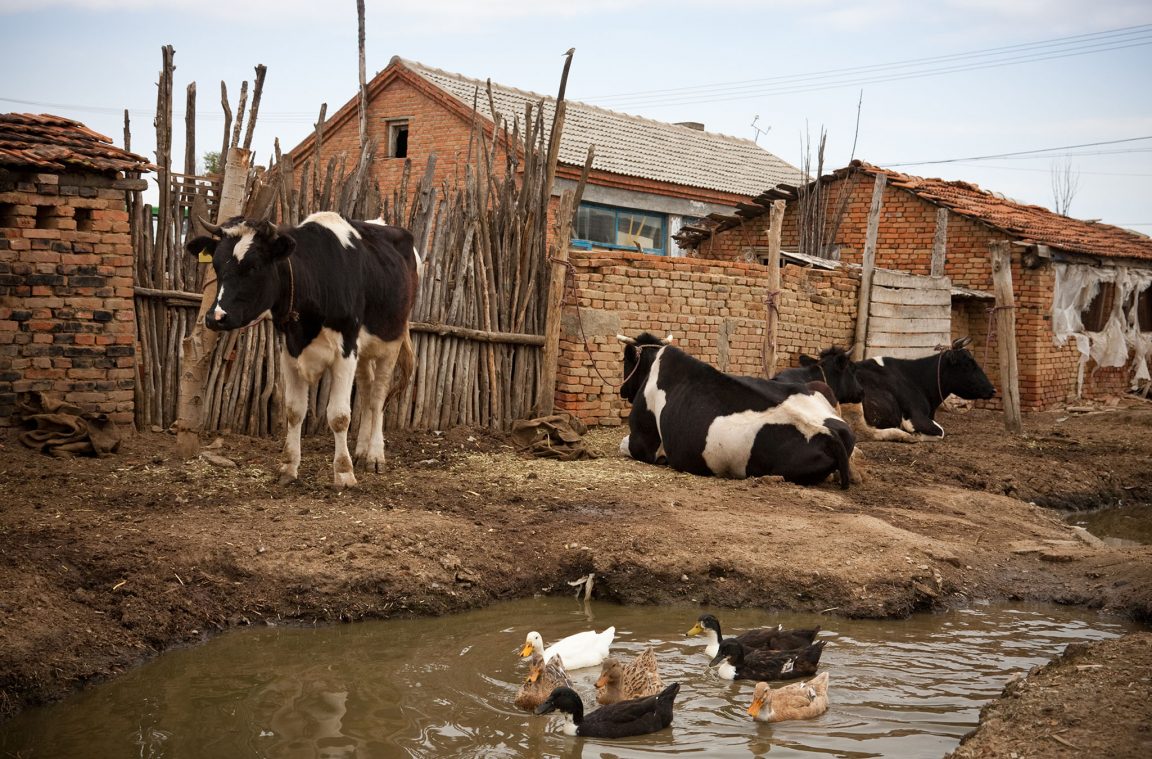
(901, 395)
(709, 423)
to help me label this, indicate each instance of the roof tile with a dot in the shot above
(54, 143)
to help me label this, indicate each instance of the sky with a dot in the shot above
(1049, 87)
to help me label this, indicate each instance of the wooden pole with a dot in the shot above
(363, 78)
(554, 305)
(772, 308)
(940, 243)
(864, 302)
(198, 345)
(1006, 333)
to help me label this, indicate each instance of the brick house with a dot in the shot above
(647, 180)
(67, 324)
(1082, 289)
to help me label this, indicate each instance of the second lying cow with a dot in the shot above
(705, 422)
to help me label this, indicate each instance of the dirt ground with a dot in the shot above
(106, 562)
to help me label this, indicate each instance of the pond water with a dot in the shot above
(1117, 525)
(444, 687)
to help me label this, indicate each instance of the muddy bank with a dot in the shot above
(109, 561)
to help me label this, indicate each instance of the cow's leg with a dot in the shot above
(853, 414)
(370, 455)
(295, 407)
(365, 377)
(340, 418)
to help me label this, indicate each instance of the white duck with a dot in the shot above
(584, 649)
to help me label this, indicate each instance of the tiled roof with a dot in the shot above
(1025, 223)
(630, 145)
(52, 143)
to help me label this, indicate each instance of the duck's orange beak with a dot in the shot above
(534, 676)
(602, 681)
(696, 630)
(526, 650)
(757, 704)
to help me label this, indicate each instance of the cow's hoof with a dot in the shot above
(344, 480)
(370, 463)
(286, 479)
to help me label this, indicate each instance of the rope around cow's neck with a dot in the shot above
(638, 347)
(292, 315)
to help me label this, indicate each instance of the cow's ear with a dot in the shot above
(806, 360)
(202, 248)
(281, 246)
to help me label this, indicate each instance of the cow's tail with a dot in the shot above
(845, 442)
(402, 371)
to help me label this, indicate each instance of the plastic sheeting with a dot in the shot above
(1121, 338)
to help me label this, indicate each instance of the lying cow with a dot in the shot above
(341, 293)
(901, 395)
(705, 422)
(834, 367)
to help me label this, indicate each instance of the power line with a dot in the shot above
(795, 84)
(785, 78)
(1026, 153)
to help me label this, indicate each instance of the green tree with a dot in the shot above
(212, 162)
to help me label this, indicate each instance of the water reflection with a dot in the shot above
(444, 688)
(1117, 525)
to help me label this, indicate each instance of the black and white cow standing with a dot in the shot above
(705, 422)
(901, 395)
(341, 293)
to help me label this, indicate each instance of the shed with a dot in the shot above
(67, 323)
(1083, 289)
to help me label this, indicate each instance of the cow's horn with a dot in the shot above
(668, 340)
(626, 340)
(209, 226)
(961, 342)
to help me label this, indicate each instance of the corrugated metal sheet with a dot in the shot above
(52, 143)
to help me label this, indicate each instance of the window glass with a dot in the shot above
(621, 228)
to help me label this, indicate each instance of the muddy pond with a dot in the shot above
(443, 687)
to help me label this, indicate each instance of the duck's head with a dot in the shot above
(762, 695)
(535, 668)
(610, 672)
(563, 699)
(731, 650)
(706, 622)
(533, 643)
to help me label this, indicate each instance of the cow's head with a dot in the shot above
(639, 353)
(244, 253)
(961, 375)
(839, 371)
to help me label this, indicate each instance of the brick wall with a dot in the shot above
(67, 324)
(714, 309)
(904, 243)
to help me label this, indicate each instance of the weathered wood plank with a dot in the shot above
(884, 278)
(907, 311)
(912, 297)
(898, 325)
(891, 340)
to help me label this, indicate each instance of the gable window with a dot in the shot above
(624, 228)
(398, 138)
(1095, 316)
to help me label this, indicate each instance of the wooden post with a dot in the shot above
(864, 301)
(772, 308)
(363, 94)
(1006, 333)
(198, 346)
(939, 243)
(554, 306)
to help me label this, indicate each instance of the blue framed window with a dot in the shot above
(623, 228)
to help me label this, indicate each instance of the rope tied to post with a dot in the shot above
(572, 298)
(992, 310)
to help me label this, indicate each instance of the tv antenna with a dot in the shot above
(759, 131)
